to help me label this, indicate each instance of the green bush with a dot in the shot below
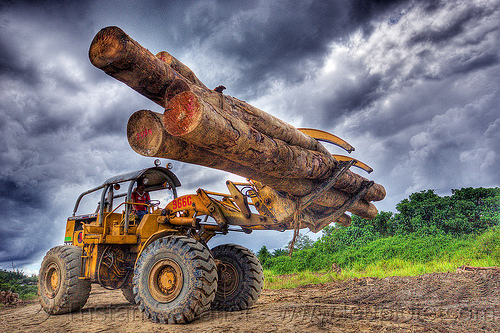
(17, 282)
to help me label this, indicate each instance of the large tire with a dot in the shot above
(129, 295)
(241, 278)
(60, 289)
(175, 279)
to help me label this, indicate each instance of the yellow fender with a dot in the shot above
(327, 137)
(153, 237)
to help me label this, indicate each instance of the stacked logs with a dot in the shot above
(8, 297)
(205, 127)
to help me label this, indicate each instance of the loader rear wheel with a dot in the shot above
(175, 280)
(240, 278)
(60, 289)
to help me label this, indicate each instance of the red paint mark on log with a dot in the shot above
(144, 133)
(183, 113)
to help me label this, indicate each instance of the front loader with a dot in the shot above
(162, 262)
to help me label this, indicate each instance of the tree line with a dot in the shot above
(424, 227)
(17, 282)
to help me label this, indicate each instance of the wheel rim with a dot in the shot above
(165, 280)
(52, 280)
(228, 279)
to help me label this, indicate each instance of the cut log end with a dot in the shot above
(107, 46)
(180, 68)
(183, 113)
(165, 57)
(144, 133)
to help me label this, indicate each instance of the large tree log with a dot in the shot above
(192, 119)
(123, 58)
(147, 136)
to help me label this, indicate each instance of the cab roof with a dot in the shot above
(155, 176)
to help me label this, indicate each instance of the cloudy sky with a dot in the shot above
(413, 85)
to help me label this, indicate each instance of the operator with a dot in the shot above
(140, 196)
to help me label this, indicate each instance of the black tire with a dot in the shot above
(240, 278)
(129, 295)
(175, 279)
(59, 288)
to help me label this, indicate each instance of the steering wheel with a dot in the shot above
(154, 203)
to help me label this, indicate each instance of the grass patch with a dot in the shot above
(274, 281)
(392, 256)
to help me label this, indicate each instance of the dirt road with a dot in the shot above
(438, 302)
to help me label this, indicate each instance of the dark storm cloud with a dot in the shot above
(417, 97)
(278, 40)
(474, 63)
(13, 194)
(53, 121)
(418, 76)
(353, 95)
(11, 66)
(411, 84)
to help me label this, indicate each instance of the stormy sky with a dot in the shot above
(413, 85)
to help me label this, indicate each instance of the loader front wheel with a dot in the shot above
(60, 288)
(240, 279)
(175, 280)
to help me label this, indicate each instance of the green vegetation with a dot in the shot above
(17, 282)
(429, 233)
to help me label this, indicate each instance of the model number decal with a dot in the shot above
(182, 202)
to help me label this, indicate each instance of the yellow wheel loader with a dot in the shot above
(162, 262)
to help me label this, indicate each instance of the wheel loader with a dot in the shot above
(162, 262)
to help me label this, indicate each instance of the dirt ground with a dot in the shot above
(465, 301)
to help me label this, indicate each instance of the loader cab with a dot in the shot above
(115, 199)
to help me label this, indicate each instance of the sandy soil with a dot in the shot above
(466, 301)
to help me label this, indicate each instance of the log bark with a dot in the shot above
(121, 57)
(147, 136)
(192, 119)
(180, 68)
(155, 77)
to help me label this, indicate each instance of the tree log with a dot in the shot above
(147, 136)
(123, 58)
(180, 68)
(192, 119)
